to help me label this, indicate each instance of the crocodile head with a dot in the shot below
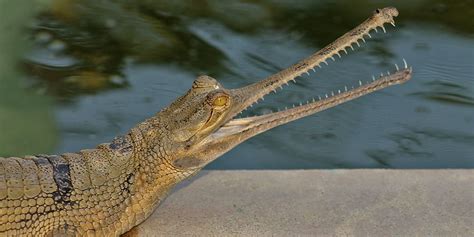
(205, 123)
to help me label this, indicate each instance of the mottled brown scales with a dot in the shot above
(110, 189)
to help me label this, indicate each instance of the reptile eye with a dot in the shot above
(220, 101)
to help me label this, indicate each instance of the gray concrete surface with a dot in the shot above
(318, 202)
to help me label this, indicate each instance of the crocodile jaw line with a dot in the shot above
(234, 131)
(245, 128)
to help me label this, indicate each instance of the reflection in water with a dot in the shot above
(426, 147)
(449, 92)
(114, 63)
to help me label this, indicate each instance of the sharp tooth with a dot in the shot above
(393, 23)
(319, 65)
(338, 54)
(293, 105)
(405, 63)
(388, 72)
(281, 87)
(363, 39)
(370, 36)
(383, 28)
(373, 78)
(381, 74)
(357, 42)
(396, 66)
(319, 97)
(301, 104)
(325, 62)
(332, 93)
(307, 73)
(351, 47)
(313, 100)
(360, 83)
(339, 91)
(326, 95)
(345, 88)
(274, 91)
(376, 29)
(333, 58)
(313, 69)
(294, 81)
(345, 51)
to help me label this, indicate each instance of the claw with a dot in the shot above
(405, 63)
(396, 66)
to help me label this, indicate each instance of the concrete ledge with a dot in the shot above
(319, 202)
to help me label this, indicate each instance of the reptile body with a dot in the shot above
(110, 189)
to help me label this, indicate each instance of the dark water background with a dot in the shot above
(85, 71)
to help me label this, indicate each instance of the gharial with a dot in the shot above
(110, 189)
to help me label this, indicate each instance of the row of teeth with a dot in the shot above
(346, 89)
(356, 41)
(332, 57)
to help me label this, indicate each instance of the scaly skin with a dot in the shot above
(108, 190)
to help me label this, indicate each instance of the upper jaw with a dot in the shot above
(246, 96)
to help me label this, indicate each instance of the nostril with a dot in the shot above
(377, 11)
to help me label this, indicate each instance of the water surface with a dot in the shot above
(103, 66)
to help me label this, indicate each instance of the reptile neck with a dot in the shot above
(153, 174)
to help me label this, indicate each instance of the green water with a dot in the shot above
(77, 73)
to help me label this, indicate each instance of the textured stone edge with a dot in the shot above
(370, 202)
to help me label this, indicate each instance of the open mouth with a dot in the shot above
(244, 97)
(261, 123)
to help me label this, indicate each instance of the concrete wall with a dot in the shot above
(318, 202)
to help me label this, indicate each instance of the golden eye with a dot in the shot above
(220, 101)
